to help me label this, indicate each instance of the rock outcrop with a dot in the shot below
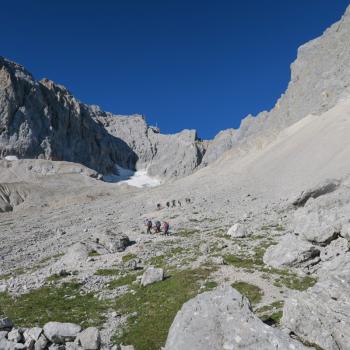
(222, 319)
(320, 76)
(320, 315)
(41, 119)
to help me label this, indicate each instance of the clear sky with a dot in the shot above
(182, 63)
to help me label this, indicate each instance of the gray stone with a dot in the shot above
(89, 338)
(152, 275)
(59, 333)
(222, 319)
(15, 335)
(33, 333)
(73, 346)
(317, 224)
(127, 347)
(5, 324)
(3, 334)
(321, 315)
(115, 242)
(41, 343)
(238, 230)
(290, 251)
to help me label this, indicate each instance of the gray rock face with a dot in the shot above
(222, 319)
(152, 275)
(167, 156)
(43, 120)
(321, 315)
(59, 333)
(89, 339)
(320, 76)
(40, 119)
(290, 251)
(12, 195)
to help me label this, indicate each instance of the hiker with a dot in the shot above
(179, 203)
(158, 225)
(174, 202)
(188, 200)
(168, 204)
(166, 228)
(149, 226)
(158, 206)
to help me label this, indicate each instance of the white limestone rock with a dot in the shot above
(59, 333)
(238, 230)
(152, 275)
(223, 319)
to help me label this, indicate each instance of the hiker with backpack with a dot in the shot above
(166, 228)
(149, 226)
(158, 225)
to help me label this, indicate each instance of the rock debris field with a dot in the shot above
(257, 255)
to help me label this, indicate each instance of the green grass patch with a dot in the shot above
(107, 272)
(157, 261)
(156, 306)
(209, 285)
(295, 282)
(62, 304)
(93, 253)
(251, 291)
(123, 281)
(271, 313)
(128, 257)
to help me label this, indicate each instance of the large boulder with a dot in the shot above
(238, 230)
(223, 319)
(114, 242)
(317, 224)
(72, 259)
(290, 252)
(59, 333)
(152, 275)
(321, 315)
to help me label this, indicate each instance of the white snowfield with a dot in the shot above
(138, 178)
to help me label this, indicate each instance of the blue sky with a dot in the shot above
(183, 64)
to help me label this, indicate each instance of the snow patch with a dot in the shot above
(11, 158)
(137, 178)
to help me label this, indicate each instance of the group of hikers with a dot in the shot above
(157, 227)
(172, 203)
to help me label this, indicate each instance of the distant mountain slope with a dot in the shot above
(319, 77)
(40, 119)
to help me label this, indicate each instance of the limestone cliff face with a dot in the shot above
(40, 119)
(320, 76)
(168, 156)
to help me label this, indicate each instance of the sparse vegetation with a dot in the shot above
(251, 291)
(129, 257)
(295, 282)
(156, 306)
(63, 304)
(271, 313)
(107, 272)
(93, 253)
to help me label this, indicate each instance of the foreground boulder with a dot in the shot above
(5, 324)
(223, 319)
(321, 315)
(72, 259)
(290, 252)
(89, 339)
(59, 333)
(152, 275)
